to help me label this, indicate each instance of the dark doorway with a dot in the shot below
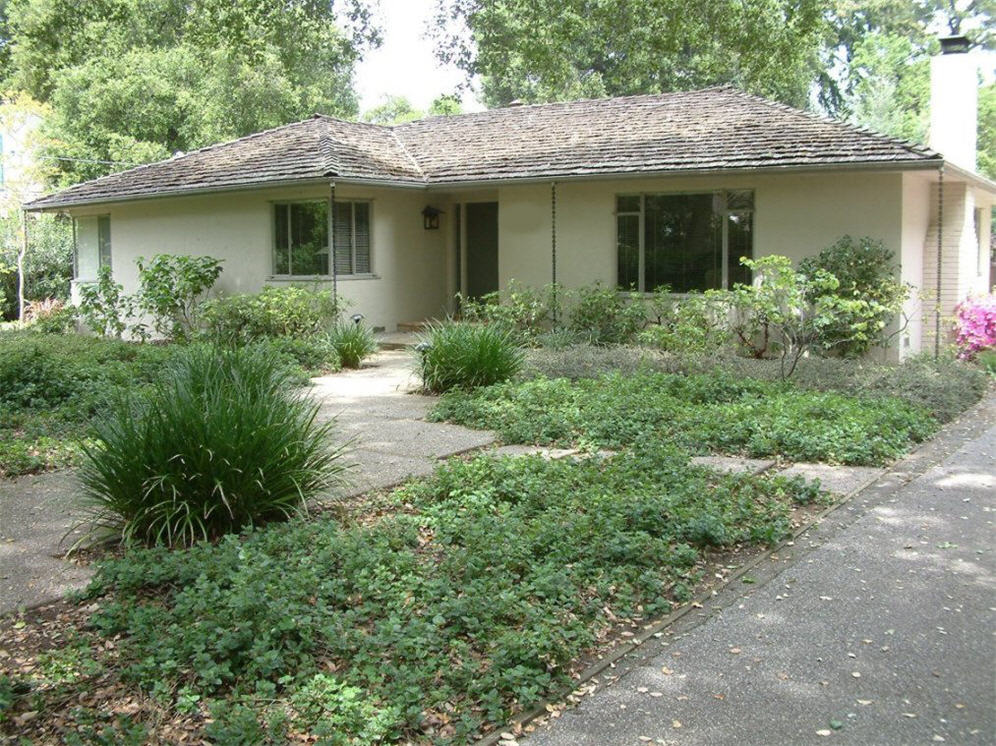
(482, 248)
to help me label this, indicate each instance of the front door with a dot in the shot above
(482, 248)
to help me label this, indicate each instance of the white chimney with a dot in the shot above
(954, 102)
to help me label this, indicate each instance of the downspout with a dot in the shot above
(553, 246)
(940, 247)
(331, 229)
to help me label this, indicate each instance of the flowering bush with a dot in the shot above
(975, 324)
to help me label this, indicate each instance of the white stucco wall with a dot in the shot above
(409, 263)
(795, 215)
(415, 270)
(916, 221)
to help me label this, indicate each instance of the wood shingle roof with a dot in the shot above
(707, 130)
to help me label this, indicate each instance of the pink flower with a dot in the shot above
(975, 325)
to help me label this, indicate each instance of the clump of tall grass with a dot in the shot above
(459, 355)
(353, 342)
(222, 441)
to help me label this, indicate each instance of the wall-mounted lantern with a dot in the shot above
(430, 218)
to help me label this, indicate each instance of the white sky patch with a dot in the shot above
(405, 65)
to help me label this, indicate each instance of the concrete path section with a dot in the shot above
(875, 628)
(36, 512)
(378, 410)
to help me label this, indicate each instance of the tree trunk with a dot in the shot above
(21, 254)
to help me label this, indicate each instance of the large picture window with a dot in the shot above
(301, 243)
(687, 242)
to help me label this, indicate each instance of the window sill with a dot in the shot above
(321, 278)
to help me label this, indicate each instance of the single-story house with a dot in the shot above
(637, 191)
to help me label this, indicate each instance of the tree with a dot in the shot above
(393, 110)
(987, 130)
(131, 81)
(40, 268)
(890, 88)
(547, 50)
(445, 105)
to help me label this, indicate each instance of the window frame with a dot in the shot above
(725, 213)
(329, 245)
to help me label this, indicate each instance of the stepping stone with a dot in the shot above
(519, 450)
(733, 464)
(842, 480)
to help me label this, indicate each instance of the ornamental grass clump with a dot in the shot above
(221, 442)
(352, 342)
(458, 355)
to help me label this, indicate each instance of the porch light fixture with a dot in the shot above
(430, 218)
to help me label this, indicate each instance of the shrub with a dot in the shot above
(867, 277)
(526, 311)
(310, 353)
(576, 361)
(169, 288)
(50, 316)
(944, 386)
(792, 311)
(602, 315)
(32, 378)
(103, 305)
(275, 312)
(975, 325)
(222, 442)
(48, 263)
(459, 355)
(352, 342)
(694, 323)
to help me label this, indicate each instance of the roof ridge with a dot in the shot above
(409, 155)
(330, 118)
(544, 104)
(914, 147)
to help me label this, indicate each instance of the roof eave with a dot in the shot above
(920, 164)
(972, 177)
(446, 184)
(61, 206)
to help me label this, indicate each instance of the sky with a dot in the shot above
(404, 64)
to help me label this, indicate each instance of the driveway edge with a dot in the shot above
(968, 425)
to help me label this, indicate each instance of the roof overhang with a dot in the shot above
(973, 178)
(932, 164)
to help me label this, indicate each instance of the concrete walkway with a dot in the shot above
(874, 628)
(374, 407)
(36, 511)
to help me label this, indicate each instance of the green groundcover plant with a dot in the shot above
(52, 385)
(704, 412)
(465, 604)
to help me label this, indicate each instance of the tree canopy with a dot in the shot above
(863, 60)
(131, 81)
(544, 50)
(398, 109)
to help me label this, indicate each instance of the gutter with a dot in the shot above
(450, 185)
